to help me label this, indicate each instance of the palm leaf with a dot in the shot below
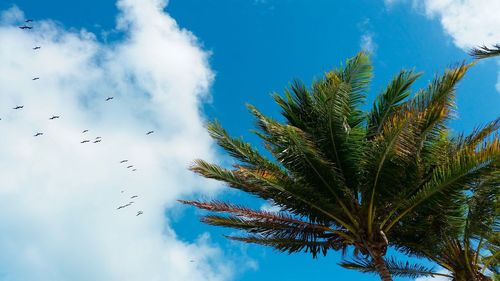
(396, 268)
(484, 52)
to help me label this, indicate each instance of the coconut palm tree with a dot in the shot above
(344, 178)
(463, 238)
(483, 52)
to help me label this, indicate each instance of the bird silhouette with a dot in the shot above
(133, 170)
(150, 132)
(38, 134)
(96, 141)
(36, 78)
(130, 166)
(98, 138)
(135, 196)
(85, 141)
(25, 27)
(54, 117)
(124, 206)
(139, 213)
(109, 98)
(123, 161)
(18, 107)
(37, 48)
(28, 20)
(84, 131)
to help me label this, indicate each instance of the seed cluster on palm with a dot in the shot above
(355, 181)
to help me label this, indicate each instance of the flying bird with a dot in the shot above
(139, 213)
(128, 167)
(37, 48)
(18, 107)
(133, 170)
(38, 134)
(25, 27)
(54, 117)
(28, 20)
(124, 206)
(84, 131)
(123, 161)
(150, 132)
(84, 141)
(135, 196)
(36, 78)
(109, 98)
(96, 141)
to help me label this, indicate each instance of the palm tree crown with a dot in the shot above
(344, 177)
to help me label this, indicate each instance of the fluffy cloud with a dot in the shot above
(469, 22)
(59, 196)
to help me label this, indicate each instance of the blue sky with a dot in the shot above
(246, 50)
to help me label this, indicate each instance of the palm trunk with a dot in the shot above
(382, 270)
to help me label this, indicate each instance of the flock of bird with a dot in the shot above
(86, 140)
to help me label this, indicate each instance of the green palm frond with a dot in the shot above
(435, 105)
(293, 196)
(294, 245)
(239, 149)
(397, 268)
(357, 74)
(459, 174)
(477, 136)
(390, 100)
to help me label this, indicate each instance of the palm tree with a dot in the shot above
(344, 178)
(483, 52)
(463, 238)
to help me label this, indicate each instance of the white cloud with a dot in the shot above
(367, 44)
(59, 197)
(469, 22)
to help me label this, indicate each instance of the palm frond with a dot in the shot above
(357, 74)
(483, 52)
(239, 149)
(390, 100)
(290, 245)
(458, 175)
(396, 268)
(435, 106)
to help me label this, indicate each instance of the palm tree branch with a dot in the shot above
(462, 167)
(397, 268)
(483, 52)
